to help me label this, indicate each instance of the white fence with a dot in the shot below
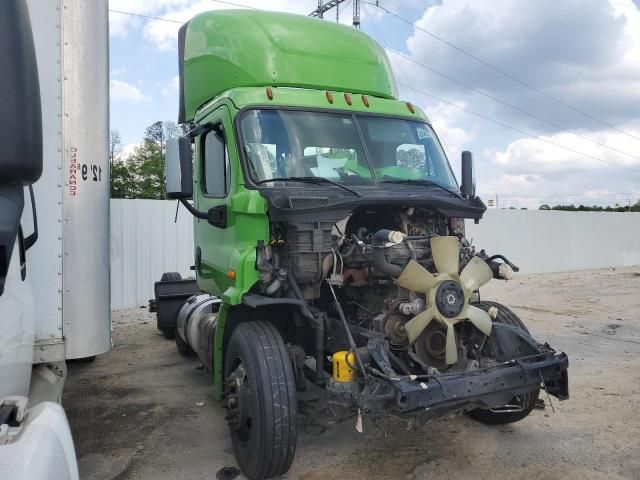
(145, 242)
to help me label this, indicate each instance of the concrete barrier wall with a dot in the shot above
(552, 241)
(145, 242)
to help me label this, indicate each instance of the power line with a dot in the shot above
(509, 105)
(502, 72)
(515, 129)
(235, 4)
(150, 17)
(384, 43)
(497, 122)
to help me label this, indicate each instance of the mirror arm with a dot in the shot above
(196, 213)
(33, 238)
(216, 216)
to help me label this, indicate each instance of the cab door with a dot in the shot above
(215, 242)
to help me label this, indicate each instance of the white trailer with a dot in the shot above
(59, 310)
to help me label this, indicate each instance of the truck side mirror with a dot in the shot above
(21, 127)
(468, 187)
(20, 115)
(178, 168)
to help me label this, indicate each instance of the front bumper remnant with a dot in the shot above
(489, 387)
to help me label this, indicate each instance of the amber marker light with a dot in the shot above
(329, 96)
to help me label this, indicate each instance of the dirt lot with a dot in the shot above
(143, 412)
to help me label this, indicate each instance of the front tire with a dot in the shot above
(260, 395)
(528, 400)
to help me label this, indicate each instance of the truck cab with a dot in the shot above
(329, 241)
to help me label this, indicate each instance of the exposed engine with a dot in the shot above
(380, 264)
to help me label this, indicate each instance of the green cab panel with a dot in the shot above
(226, 256)
(226, 49)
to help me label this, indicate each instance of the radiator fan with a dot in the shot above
(447, 292)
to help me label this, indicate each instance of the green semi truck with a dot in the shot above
(329, 243)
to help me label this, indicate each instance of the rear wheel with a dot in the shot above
(520, 406)
(260, 395)
(170, 277)
(169, 333)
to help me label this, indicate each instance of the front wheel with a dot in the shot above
(260, 397)
(521, 405)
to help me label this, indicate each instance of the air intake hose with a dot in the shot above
(380, 238)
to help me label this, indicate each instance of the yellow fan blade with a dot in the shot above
(479, 318)
(475, 274)
(417, 324)
(446, 254)
(417, 278)
(451, 353)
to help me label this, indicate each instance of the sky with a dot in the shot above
(545, 93)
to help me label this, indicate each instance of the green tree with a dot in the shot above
(147, 160)
(123, 180)
(122, 177)
(412, 158)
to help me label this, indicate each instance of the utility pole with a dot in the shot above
(356, 13)
(325, 6)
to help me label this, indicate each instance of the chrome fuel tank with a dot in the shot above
(196, 324)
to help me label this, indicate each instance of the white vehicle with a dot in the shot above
(54, 222)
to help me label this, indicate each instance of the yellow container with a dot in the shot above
(342, 372)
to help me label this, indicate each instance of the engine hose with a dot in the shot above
(327, 263)
(380, 262)
(318, 327)
(379, 258)
(349, 250)
(273, 287)
(352, 342)
(398, 363)
(411, 249)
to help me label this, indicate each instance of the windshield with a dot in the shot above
(288, 144)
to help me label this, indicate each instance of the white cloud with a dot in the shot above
(128, 150)
(163, 34)
(125, 92)
(585, 53)
(542, 157)
(446, 122)
(172, 87)
(532, 171)
(120, 23)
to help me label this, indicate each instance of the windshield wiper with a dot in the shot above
(419, 181)
(313, 180)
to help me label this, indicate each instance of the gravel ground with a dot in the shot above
(143, 412)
